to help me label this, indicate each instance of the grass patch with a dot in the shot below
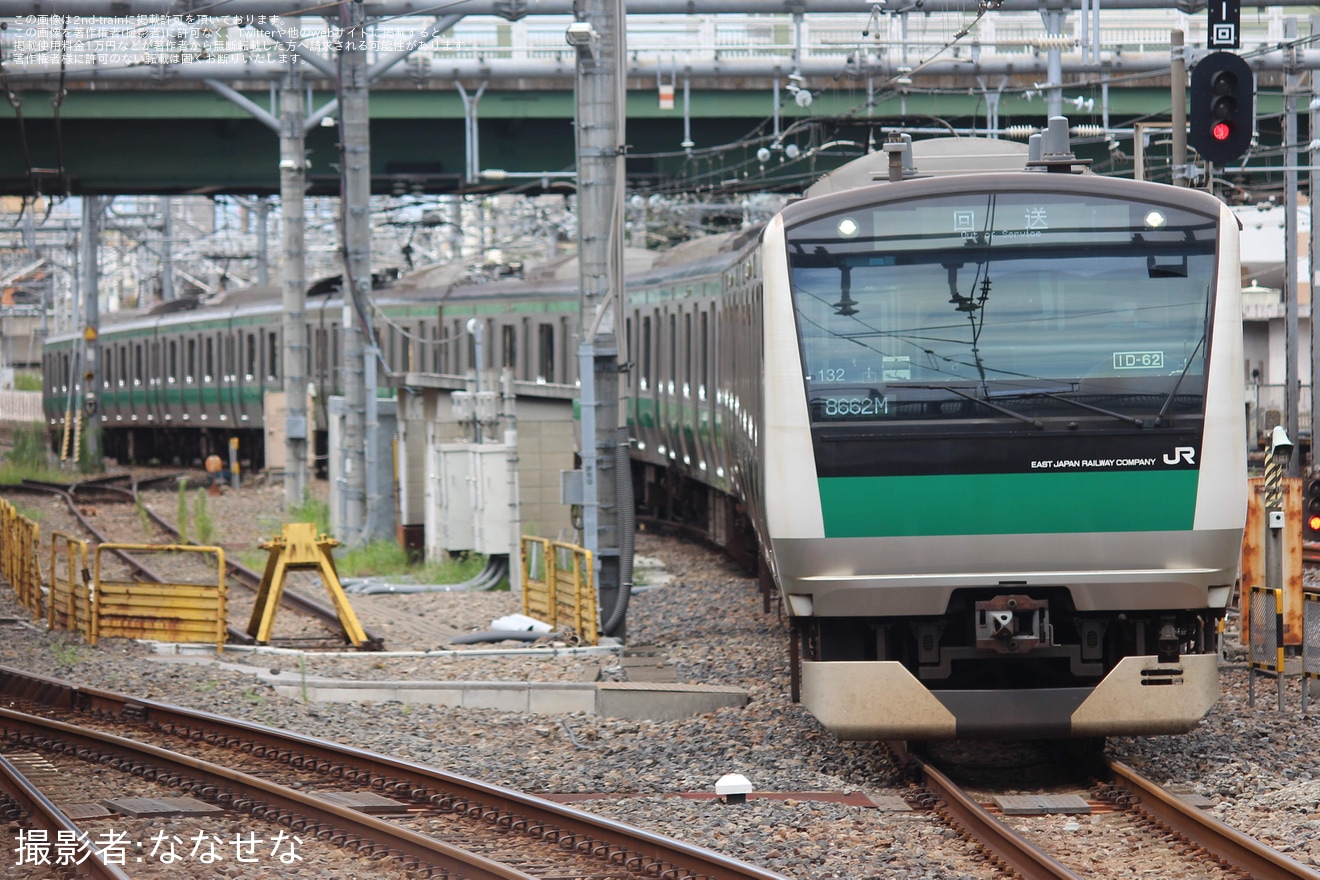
(388, 559)
(311, 510)
(28, 460)
(202, 518)
(27, 380)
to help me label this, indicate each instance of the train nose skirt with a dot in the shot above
(882, 700)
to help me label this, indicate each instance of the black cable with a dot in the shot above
(17, 104)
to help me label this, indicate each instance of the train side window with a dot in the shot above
(673, 352)
(172, 374)
(251, 370)
(272, 357)
(687, 353)
(190, 368)
(508, 346)
(209, 360)
(123, 365)
(703, 357)
(646, 353)
(545, 371)
(138, 372)
(525, 371)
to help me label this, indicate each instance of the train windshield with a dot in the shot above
(1004, 305)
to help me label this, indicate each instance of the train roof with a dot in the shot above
(932, 157)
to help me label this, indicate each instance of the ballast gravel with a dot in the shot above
(704, 618)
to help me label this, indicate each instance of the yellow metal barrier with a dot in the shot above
(299, 548)
(179, 612)
(71, 601)
(19, 560)
(1264, 629)
(559, 587)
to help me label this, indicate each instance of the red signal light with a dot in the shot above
(1221, 131)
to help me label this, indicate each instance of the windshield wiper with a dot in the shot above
(1168, 401)
(1052, 395)
(1035, 423)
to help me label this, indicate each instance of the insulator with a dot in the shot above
(1088, 130)
(1020, 131)
(1054, 41)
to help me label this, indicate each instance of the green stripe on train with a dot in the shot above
(1009, 504)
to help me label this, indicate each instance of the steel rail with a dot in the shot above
(1259, 861)
(290, 807)
(999, 840)
(43, 813)
(403, 778)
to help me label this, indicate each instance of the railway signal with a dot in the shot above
(1223, 107)
(1311, 509)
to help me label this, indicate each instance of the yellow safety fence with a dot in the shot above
(559, 587)
(102, 608)
(71, 596)
(176, 612)
(19, 560)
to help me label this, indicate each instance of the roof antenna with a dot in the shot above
(1057, 149)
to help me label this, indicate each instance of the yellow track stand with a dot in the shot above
(299, 548)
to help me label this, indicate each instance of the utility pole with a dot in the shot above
(92, 207)
(598, 37)
(1291, 84)
(293, 184)
(1178, 93)
(166, 248)
(1314, 193)
(360, 507)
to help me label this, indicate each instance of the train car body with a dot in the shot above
(177, 382)
(988, 430)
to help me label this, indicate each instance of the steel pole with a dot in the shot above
(1291, 86)
(293, 224)
(359, 384)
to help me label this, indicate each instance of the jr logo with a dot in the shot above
(1181, 453)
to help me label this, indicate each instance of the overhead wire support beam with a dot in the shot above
(524, 8)
(501, 72)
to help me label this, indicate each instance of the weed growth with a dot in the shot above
(202, 518)
(311, 510)
(28, 460)
(27, 380)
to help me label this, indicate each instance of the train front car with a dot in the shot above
(1021, 395)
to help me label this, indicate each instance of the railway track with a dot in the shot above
(1168, 830)
(112, 489)
(434, 824)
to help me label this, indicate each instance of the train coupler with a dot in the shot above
(1013, 624)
